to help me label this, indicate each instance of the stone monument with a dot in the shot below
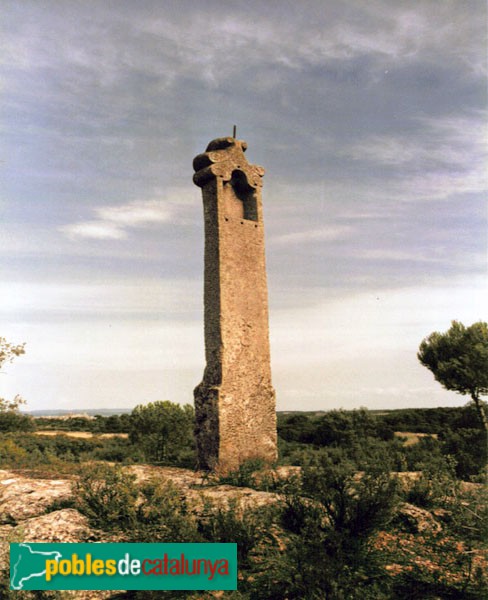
(235, 402)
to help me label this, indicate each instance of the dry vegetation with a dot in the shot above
(409, 527)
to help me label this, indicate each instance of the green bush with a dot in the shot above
(119, 450)
(469, 447)
(293, 453)
(153, 511)
(107, 496)
(163, 515)
(426, 450)
(328, 526)
(62, 452)
(46, 450)
(12, 455)
(244, 475)
(436, 485)
(15, 421)
(164, 433)
(248, 527)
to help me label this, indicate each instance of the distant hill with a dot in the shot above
(105, 412)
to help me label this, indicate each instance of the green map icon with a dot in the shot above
(29, 564)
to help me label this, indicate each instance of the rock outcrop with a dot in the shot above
(37, 510)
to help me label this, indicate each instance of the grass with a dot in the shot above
(413, 438)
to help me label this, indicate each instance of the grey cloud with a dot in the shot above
(366, 115)
(113, 221)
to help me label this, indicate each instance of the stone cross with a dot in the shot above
(235, 402)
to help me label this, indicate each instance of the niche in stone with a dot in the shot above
(246, 194)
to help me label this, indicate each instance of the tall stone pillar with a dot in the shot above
(235, 402)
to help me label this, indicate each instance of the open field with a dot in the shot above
(82, 434)
(414, 438)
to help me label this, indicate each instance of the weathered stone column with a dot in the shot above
(235, 402)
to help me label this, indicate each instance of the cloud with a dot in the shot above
(349, 351)
(385, 254)
(324, 234)
(366, 117)
(435, 159)
(135, 214)
(112, 300)
(181, 40)
(360, 349)
(444, 141)
(114, 221)
(371, 323)
(97, 230)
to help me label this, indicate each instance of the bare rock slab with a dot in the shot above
(22, 497)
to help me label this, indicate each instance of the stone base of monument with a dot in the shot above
(228, 433)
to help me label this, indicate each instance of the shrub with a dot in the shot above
(164, 432)
(328, 527)
(163, 515)
(118, 450)
(244, 475)
(248, 527)
(437, 484)
(469, 447)
(11, 454)
(154, 511)
(14, 421)
(107, 496)
(424, 451)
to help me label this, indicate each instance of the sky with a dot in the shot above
(370, 121)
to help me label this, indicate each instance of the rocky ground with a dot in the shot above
(31, 509)
(34, 509)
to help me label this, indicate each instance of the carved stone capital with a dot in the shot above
(221, 159)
